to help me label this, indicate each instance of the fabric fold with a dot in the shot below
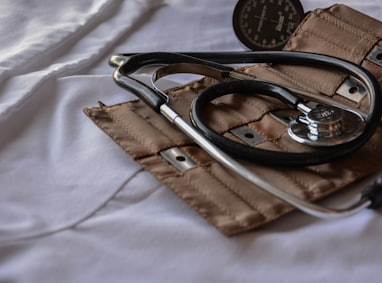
(53, 174)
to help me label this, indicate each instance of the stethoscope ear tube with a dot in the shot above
(140, 60)
(151, 97)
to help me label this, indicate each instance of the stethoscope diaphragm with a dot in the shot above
(326, 126)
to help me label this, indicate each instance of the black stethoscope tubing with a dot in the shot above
(216, 60)
(262, 156)
(318, 156)
(157, 100)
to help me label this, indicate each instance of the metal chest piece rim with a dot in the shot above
(326, 126)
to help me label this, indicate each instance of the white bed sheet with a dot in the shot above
(75, 208)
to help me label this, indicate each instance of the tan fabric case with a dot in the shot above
(225, 200)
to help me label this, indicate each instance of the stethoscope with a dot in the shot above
(335, 129)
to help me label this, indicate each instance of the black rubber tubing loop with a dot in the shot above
(287, 58)
(262, 156)
(216, 59)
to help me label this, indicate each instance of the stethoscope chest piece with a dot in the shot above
(326, 126)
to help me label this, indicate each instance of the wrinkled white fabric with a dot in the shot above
(74, 207)
(52, 167)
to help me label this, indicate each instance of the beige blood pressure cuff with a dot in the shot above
(224, 199)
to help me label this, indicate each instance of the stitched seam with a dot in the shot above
(194, 157)
(290, 79)
(262, 133)
(316, 170)
(218, 125)
(179, 98)
(298, 183)
(190, 182)
(149, 146)
(336, 46)
(237, 115)
(243, 120)
(303, 185)
(212, 200)
(191, 202)
(364, 28)
(239, 195)
(155, 127)
(270, 105)
(297, 76)
(340, 25)
(105, 128)
(278, 144)
(379, 78)
(203, 212)
(299, 29)
(275, 104)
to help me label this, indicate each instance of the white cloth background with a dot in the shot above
(75, 208)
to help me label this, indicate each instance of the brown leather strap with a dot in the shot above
(228, 202)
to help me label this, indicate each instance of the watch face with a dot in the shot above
(266, 24)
